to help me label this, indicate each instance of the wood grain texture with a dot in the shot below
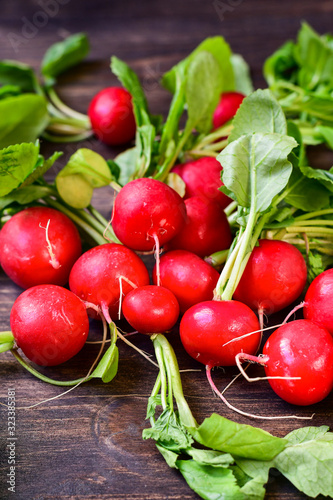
(87, 444)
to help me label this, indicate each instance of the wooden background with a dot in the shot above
(87, 444)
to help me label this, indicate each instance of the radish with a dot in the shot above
(318, 300)
(206, 231)
(111, 116)
(147, 213)
(39, 245)
(274, 277)
(202, 177)
(151, 309)
(106, 272)
(188, 276)
(206, 327)
(300, 355)
(49, 323)
(227, 108)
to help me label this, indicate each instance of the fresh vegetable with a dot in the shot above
(318, 301)
(206, 230)
(274, 277)
(227, 108)
(188, 276)
(147, 213)
(111, 116)
(49, 323)
(202, 177)
(207, 328)
(300, 349)
(39, 245)
(105, 273)
(151, 308)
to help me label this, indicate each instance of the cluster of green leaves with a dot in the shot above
(278, 195)
(196, 84)
(21, 171)
(300, 74)
(30, 109)
(223, 459)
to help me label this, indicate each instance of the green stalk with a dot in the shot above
(42, 377)
(55, 99)
(95, 235)
(170, 364)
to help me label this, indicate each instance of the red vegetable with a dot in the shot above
(111, 116)
(99, 273)
(49, 323)
(188, 276)
(300, 349)
(203, 178)
(274, 277)
(207, 228)
(227, 108)
(39, 245)
(147, 210)
(318, 301)
(151, 309)
(206, 327)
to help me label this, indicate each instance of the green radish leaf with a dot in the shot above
(305, 193)
(327, 134)
(19, 75)
(24, 195)
(114, 169)
(315, 57)
(126, 161)
(17, 163)
(202, 91)
(170, 130)
(256, 167)
(305, 434)
(65, 54)
(242, 440)
(243, 82)
(259, 112)
(41, 167)
(9, 91)
(281, 65)
(209, 482)
(211, 457)
(22, 119)
(169, 456)
(325, 177)
(85, 171)
(145, 144)
(221, 52)
(131, 82)
(308, 461)
(169, 432)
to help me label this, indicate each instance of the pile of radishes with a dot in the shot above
(40, 250)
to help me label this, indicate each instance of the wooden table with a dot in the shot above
(87, 444)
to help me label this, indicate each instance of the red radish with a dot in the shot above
(318, 300)
(188, 276)
(300, 349)
(105, 272)
(151, 309)
(227, 108)
(49, 323)
(274, 277)
(147, 212)
(111, 116)
(206, 231)
(202, 177)
(206, 327)
(39, 245)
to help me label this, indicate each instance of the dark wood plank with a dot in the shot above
(87, 444)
